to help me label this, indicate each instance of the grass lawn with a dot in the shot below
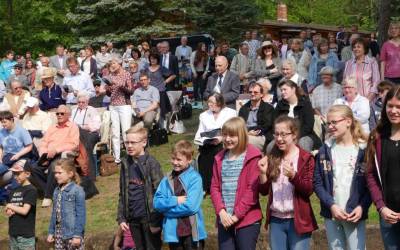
(101, 210)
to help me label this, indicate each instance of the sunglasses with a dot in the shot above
(60, 113)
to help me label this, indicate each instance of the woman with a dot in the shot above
(30, 72)
(284, 48)
(81, 57)
(301, 56)
(199, 65)
(137, 58)
(296, 105)
(339, 180)
(89, 64)
(268, 64)
(390, 55)
(286, 177)
(266, 86)
(383, 164)
(363, 68)
(242, 65)
(288, 70)
(333, 46)
(120, 89)
(323, 57)
(234, 189)
(208, 135)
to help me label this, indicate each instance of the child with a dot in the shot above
(22, 209)
(123, 240)
(68, 218)
(286, 176)
(179, 198)
(376, 106)
(234, 189)
(339, 180)
(140, 175)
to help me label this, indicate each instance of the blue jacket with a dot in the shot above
(73, 211)
(313, 70)
(166, 202)
(323, 183)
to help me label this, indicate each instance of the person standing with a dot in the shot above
(390, 55)
(59, 61)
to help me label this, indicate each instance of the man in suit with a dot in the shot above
(224, 82)
(59, 61)
(170, 62)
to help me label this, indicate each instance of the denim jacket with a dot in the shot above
(73, 211)
(323, 183)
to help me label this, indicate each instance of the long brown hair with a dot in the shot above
(68, 165)
(276, 155)
(201, 56)
(291, 84)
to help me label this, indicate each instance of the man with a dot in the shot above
(325, 94)
(76, 82)
(102, 57)
(228, 52)
(59, 61)
(89, 122)
(170, 62)
(98, 101)
(224, 82)
(113, 52)
(59, 139)
(146, 101)
(183, 52)
(259, 117)
(45, 63)
(242, 64)
(253, 42)
(16, 99)
(51, 95)
(35, 120)
(18, 76)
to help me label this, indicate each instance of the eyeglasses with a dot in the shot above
(16, 88)
(283, 135)
(132, 142)
(60, 113)
(254, 92)
(334, 123)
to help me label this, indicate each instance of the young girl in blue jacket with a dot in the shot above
(67, 223)
(339, 180)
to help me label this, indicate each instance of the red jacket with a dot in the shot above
(247, 206)
(304, 219)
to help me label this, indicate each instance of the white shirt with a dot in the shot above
(217, 87)
(86, 66)
(61, 61)
(88, 117)
(165, 62)
(80, 82)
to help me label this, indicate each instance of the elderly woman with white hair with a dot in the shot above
(267, 86)
(120, 89)
(289, 72)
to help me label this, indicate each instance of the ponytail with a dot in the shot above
(69, 166)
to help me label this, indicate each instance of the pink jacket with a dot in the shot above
(247, 206)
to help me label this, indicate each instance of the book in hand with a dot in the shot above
(209, 136)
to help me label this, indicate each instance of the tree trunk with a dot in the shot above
(383, 20)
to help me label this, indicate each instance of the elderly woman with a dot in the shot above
(390, 55)
(266, 86)
(15, 101)
(363, 69)
(242, 64)
(208, 135)
(88, 121)
(301, 57)
(358, 103)
(120, 89)
(288, 70)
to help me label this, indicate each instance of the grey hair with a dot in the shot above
(291, 63)
(262, 80)
(83, 94)
(116, 59)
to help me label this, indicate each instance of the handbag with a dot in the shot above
(108, 166)
(185, 111)
(158, 136)
(176, 125)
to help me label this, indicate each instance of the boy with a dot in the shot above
(139, 179)
(21, 209)
(179, 198)
(376, 106)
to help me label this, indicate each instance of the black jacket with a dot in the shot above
(265, 118)
(173, 66)
(152, 175)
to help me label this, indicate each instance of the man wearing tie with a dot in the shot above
(58, 61)
(224, 82)
(170, 62)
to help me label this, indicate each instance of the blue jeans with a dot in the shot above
(390, 235)
(345, 235)
(282, 235)
(244, 238)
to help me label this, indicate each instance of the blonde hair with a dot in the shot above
(236, 126)
(291, 63)
(68, 165)
(392, 25)
(298, 41)
(143, 132)
(356, 130)
(183, 147)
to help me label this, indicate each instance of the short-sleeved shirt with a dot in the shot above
(323, 97)
(15, 140)
(157, 77)
(390, 54)
(143, 98)
(20, 225)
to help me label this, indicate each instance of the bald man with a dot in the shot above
(224, 82)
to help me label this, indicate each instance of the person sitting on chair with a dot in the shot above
(15, 100)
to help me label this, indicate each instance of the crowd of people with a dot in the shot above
(284, 118)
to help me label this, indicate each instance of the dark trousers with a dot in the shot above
(393, 80)
(89, 140)
(206, 163)
(242, 239)
(199, 86)
(43, 180)
(144, 239)
(187, 243)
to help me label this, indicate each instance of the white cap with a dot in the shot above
(32, 102)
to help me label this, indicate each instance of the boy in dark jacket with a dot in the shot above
(139, 179)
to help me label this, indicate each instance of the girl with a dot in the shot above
(383, 163)
(234, 189)
(286, 176)
(67, 224)
(339, 180)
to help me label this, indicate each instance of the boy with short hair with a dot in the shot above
(139, 178)
(179, 197)
(21, 209)
(377, 104)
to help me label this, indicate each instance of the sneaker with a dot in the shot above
(46, 202)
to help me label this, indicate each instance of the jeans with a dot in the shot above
(121, 117)
(345, 235)
(244, 238)
(282, 235)
(390, 235)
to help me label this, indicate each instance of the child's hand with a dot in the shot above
(181, 199)
(155, 230)
(288, 170)
(234, 219)
(9, 212)
(124, 226)
(50, 238)
(76, 242)
(226, 219)
(263, 165)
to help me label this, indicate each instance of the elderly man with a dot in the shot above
(89, 122)
(60, 138)
(146, 101)
(224, 82)
(15, 101)
(18, 76)
(76, 82)
(170, 62)
(35, 120)
(325, 94)
(45, 63)
(59, 61)
(102, 57)
(51, 95)
(183, 52)
(242, 64)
